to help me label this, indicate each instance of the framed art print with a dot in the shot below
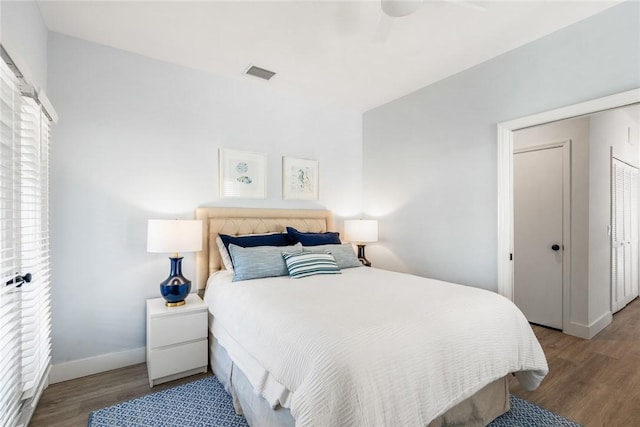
(242, 174)
(299, 179)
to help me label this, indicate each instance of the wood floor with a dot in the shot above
(593, 382)
(68, 404)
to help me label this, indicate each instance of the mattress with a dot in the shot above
(368, 346)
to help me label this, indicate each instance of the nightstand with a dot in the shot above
(176, 339)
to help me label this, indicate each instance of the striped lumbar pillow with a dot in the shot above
(309, 263)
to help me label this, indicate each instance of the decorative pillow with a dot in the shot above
(252, 240)
(309, 263)
(224, 254)
(313, 239)
(344, 254)
(259, 261)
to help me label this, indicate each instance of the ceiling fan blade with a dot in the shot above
(399, 8)
(383, 29)
(469, 4)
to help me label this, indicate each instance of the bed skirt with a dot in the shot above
(478, 410)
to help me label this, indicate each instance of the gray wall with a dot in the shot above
(430, 157)
(138, 139)
(24, 35)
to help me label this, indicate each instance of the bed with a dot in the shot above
(363, 347)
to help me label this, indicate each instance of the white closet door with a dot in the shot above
(631, 291)
(624, 234)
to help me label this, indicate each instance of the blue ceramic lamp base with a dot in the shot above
(175, 288)
(363, 259)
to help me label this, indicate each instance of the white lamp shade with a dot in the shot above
(174, 235)
(361, 230)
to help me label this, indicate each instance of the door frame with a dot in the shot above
(505, 171)
(565, 145)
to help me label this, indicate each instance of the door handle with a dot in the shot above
(19, 280)
(555, 247)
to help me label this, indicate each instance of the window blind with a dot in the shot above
(34, 245)
(10, 298)
(25, 319)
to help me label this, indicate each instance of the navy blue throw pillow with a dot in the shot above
(275, 239)
(313, 239)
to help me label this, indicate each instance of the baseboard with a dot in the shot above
(600, 323)
(589, 331)
(73, 369)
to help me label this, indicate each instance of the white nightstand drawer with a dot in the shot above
(170, 330)
(177, 344)
(180, 358)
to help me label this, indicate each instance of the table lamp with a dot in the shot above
(174, 236)
(361, 231)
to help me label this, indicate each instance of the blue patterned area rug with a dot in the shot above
(526, 414)
(205, 403)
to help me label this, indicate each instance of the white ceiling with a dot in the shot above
(319, 49)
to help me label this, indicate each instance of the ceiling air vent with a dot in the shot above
(261, 73)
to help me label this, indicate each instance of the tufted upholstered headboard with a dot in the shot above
(236, 221)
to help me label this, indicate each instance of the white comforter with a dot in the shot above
(371, 347)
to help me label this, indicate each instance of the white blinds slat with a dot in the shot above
(10, 309)
(34, 255)
(25, 314)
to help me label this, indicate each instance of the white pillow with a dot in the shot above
(224, 254)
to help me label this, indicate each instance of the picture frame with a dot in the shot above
(300, 179)
(242, 174)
